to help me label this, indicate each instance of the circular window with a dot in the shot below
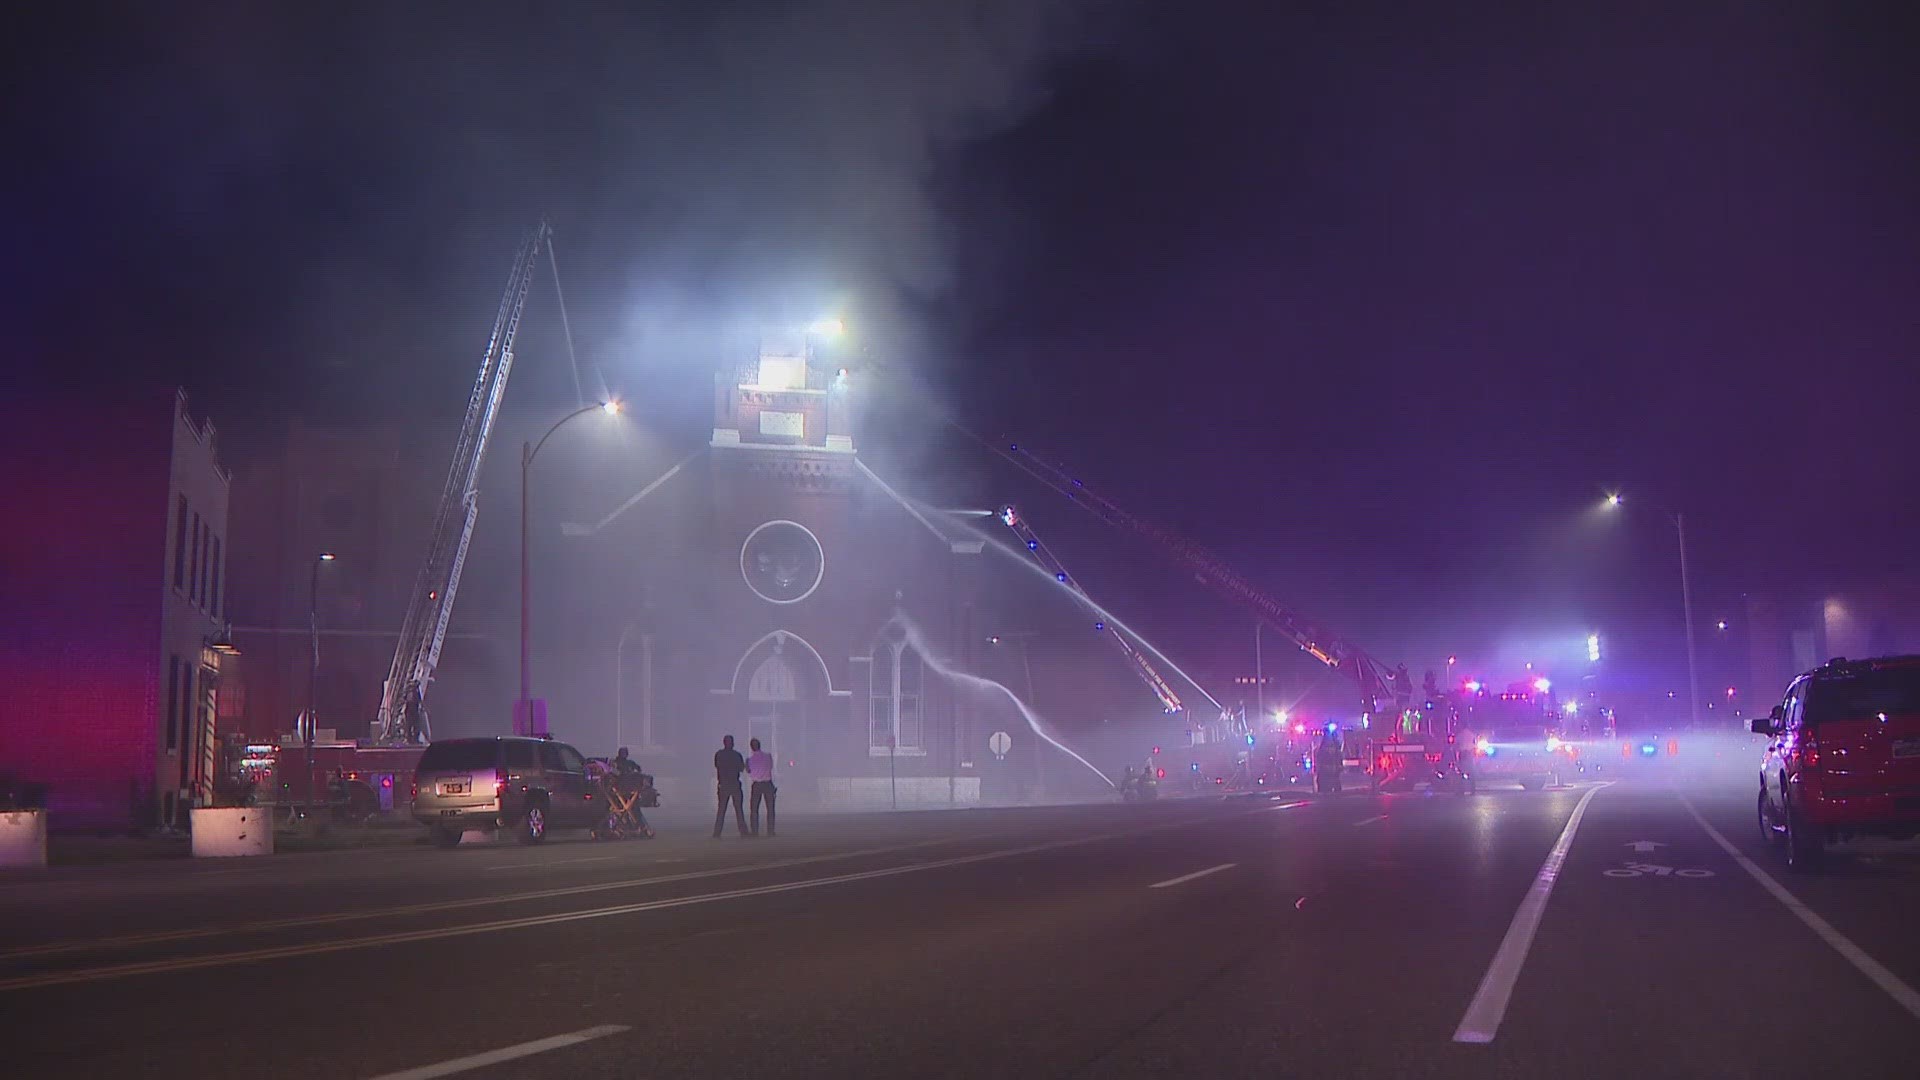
(782, 562)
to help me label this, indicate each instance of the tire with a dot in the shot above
(1768, 834)
(1806, 850)
(532, 826)
(444, 837)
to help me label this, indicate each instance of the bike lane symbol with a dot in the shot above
(1638, 869)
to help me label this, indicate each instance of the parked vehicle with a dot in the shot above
(512, 785)
(1844, 760)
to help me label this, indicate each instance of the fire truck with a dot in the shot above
(1516, 736)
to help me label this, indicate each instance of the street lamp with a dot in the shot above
(313, 669)
(528, 451)
(1686, 606)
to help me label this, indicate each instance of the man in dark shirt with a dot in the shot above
(727, 767)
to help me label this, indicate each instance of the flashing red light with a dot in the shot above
(1160, 774)
(386, 781)
(500, 783)
(1156, 750)
(1626, 749)
(413, 791)
(1673, 746)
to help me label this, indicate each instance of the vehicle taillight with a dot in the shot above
(1626, 750)
(413, 792)
(1807, 749)
(500, 783)
(1673, 747)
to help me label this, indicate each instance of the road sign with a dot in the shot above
(999, 742)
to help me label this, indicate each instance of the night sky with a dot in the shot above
(1378, 300)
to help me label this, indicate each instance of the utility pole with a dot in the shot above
(313, 670)
(1259, 677)
(1686, 602)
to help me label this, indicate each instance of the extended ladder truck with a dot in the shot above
(1408, 744)
(1208, 732)
(1170, 701)
(402, 719)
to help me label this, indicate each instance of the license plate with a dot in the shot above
(1904, 748)
(449, 813)
(453, 789)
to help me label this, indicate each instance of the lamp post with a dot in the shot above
(527, 453)
(313, 669)
(1259, 675)
(1614, 500)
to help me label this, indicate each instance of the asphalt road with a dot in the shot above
(1629, 929)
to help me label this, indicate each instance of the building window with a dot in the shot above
(186, 717)
(173, 703)
(880, 703)
(896, 721)
(213, 590)
(180, 544)
(193, 586)
(910, 725)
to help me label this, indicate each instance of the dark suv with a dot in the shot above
(525, 786)
(1845, 757)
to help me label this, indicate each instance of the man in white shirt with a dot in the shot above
(760, 771)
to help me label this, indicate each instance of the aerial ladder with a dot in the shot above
(402, 719)
(1404, 740)
(1012, 519)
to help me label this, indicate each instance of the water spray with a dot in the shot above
(999, 545)
(918, 641)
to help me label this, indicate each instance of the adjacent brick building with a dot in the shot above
(113, 588)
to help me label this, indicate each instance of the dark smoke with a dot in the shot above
(332, 192)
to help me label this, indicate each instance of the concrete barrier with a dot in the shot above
(23, 838)
(225, 832)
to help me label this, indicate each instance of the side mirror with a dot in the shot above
(1762, 725)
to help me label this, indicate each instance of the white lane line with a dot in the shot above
(195, 963)
(553, 862)
(155, 937)
(1184, 878)
(1489, 1006)
(1886, 980)
(1371, 820)
(1290, 805)
(505, 1053)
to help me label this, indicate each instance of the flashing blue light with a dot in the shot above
(1061, 577)
(1195, 766)
(1648, 749)
(1099, 626)
(1033, 545)
(1332, 726)
(1249, 740)
(1306, 763)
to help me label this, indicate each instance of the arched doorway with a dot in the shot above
(776, 711)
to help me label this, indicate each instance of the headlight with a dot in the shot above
(1483, 746)
(1553, 743)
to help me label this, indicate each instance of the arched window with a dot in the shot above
(910, 726)
(880, 703)
(896, 721)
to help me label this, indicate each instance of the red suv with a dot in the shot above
(1845, 757)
